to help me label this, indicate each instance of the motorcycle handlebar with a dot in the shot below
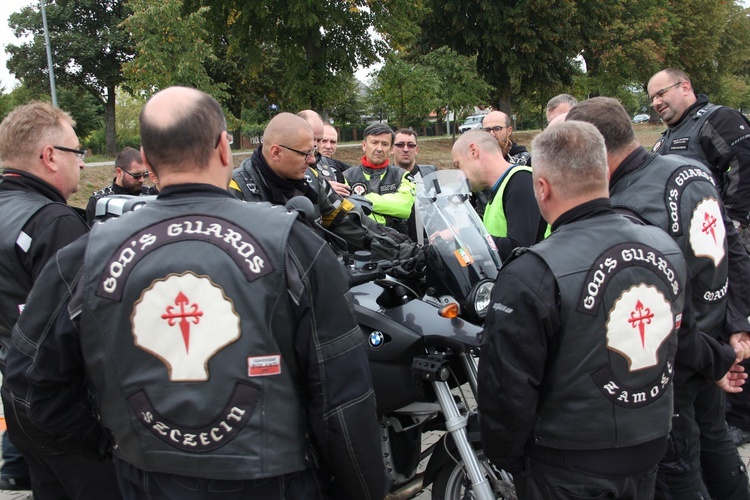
(360, 278)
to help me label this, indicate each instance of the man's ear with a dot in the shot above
(225, 152)
(145, 161)
(542, 188)
(48, 158)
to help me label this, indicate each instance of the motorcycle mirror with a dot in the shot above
(303, 205)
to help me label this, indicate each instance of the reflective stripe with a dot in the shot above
(23, 241)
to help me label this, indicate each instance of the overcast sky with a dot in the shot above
(7, 7)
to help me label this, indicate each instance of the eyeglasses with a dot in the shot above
(230, 139)
(306, 155)
(663, 91)
(138, 176)
(401, 145)
(80, 154)
(496, 128)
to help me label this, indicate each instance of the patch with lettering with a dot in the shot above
(679, 144)
(614, 260)
(676, 184)
(184, 320)
(263, 366)
(222, 430)
(657, 145)
(629, 396)
(707, 231)
(237, 243)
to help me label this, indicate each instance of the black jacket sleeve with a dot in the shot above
(725, 140)
(518, 338)
(44, 391)
(521, 213)
(335, 371)
(738, 293)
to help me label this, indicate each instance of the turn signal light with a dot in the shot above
(449, 310)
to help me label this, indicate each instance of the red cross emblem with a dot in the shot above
(709, 223)
(193, 314)
(640, 318)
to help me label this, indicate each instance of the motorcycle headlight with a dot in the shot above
(481, 296)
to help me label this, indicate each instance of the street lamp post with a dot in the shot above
(53, 92)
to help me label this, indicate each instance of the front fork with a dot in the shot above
(435, 370)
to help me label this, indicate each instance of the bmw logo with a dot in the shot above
(376, 339)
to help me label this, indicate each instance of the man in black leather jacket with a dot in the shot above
(198, 324)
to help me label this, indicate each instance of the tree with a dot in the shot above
(409, 90)
(88, 50)
(312, 43)
(170, 48)
(84, 108)
(346, 106)
(521, 45)
(461, 88)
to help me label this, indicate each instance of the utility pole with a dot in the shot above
(53, 92)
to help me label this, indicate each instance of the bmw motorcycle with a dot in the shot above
(422, 324)
(423, 336)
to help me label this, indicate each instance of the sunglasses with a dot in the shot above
(136, 176)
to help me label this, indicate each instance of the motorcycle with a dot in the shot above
(423, 336)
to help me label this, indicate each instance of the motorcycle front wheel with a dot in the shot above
(452, 482)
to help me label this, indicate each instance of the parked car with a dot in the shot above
(471, 122)
(642, 118)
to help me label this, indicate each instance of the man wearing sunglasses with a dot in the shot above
(42, 161)
(130, 175)
(405, 151)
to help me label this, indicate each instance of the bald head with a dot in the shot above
(284, 126)
(497, 123)
(483, 140)
(315, 122)
(288, 146)
(180, 127)
(495, 118)
(477, 154)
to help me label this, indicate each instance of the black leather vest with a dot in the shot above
(684, 139)
(17, 208)
(621, 289)
(680, 197)
(187, 332)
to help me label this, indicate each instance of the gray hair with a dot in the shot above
(571, 155)
(559, 99)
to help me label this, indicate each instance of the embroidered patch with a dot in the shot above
(184, 320)
(638, 323)
(707, 231)
(359, 188)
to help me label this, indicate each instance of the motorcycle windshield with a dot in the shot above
(465, 251)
